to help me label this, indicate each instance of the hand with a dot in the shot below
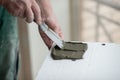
(49, 18)
(38, 10)
(27, 9)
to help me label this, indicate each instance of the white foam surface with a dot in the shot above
(99, 63)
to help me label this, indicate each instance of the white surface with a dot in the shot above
(99, 63)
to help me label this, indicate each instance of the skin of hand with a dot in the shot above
(49, 18)
(27, 9)
(38, 10)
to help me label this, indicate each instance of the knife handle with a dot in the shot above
(52, 35)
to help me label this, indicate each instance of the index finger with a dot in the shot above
(37, 13)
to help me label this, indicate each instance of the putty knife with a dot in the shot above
(52, 35)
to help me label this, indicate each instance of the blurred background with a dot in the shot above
(80, 20)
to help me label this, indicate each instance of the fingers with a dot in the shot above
(33, 13)
(24, 9)
(37, 13)
(12, 8)
(21, 10)
(29, 15)
(54, 26)
(50, 19)
(30, 10)
(46, 39)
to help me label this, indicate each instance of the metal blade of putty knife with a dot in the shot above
(52, 35)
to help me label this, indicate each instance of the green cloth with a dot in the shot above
(8, 46)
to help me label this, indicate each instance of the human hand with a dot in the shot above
(38, 10)
(27, 9)
(49, 18)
